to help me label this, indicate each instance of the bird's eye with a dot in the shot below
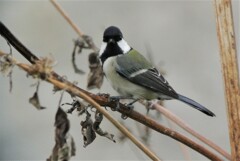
(117, 38)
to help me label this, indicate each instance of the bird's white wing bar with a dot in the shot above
(138, 72)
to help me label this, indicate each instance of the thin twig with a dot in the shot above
(63, 13)
(186, 127)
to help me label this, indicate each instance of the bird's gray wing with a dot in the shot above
(134, 67)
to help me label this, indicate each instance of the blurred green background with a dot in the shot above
(182, 37)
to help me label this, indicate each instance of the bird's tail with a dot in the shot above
(195, 105)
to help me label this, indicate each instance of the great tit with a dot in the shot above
(131, 75)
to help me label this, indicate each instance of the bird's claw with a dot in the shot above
(130, 107)
(115, 99)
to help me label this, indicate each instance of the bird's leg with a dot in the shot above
(117, 99)
(130, 105)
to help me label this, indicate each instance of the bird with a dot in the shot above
(133, 76)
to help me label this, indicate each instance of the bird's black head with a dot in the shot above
(113, 44)
(112, 34)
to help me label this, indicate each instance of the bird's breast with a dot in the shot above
(123, 86)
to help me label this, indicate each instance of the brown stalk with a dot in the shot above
(228, 54)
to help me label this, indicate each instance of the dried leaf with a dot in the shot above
(64, 147)
(95, 76)
(62, 126)
(89, 41)
(6, 64)
(87, 131)
(34, 100)
(98, 130)
(84, 42)
(76, 69)
(76, 104)
(10, 81)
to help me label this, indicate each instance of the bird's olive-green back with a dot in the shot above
(131, 62)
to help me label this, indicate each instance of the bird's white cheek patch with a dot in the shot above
(124, 46)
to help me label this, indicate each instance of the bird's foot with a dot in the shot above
(115, 99)
(130, 107)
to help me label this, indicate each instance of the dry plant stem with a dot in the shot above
(186, 127)
(228, 54)
(103, 101)
(74, 26)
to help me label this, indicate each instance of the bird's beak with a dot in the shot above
(111, 41)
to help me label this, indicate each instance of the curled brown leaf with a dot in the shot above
(87, 130)
(95, 76)
(64, 147)
(98, 130)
